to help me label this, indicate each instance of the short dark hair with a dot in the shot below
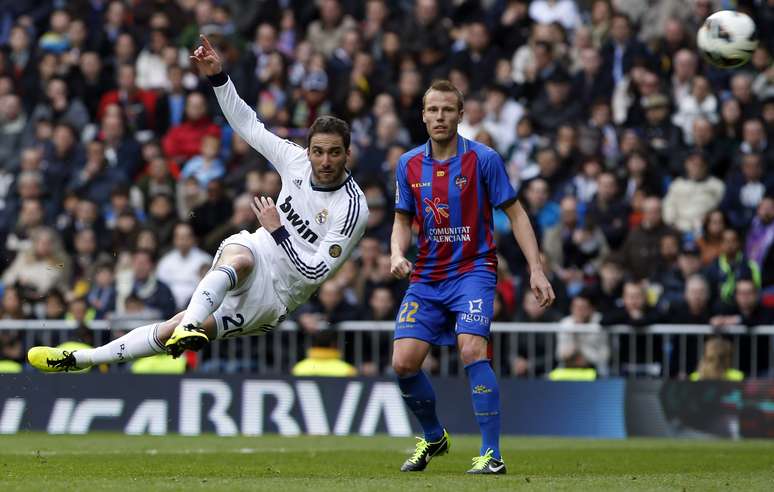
(443, 85)
(329, 124)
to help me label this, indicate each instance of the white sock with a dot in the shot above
(209, 294)
(140, 342)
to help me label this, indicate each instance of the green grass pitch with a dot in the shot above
(97, 462)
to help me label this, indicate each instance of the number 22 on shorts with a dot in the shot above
(407, 311)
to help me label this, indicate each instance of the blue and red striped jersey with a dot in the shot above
(451, 202)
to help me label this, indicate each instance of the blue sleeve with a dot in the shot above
(404, 199)
(498, 185)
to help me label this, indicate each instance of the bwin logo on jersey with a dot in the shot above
(300, 225)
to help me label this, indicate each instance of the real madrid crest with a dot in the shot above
(334, 251)
(321, 216)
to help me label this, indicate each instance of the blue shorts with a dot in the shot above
(437, 312)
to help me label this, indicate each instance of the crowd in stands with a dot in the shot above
(648, 173)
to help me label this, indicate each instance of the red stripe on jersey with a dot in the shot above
(438, 207)
(414, 177)
(470, 209)
(486, 211)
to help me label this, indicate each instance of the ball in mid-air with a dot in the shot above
(727, 39)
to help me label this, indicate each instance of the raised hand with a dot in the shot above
(266, 212)
(206, 59)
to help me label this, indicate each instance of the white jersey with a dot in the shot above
(323, 225)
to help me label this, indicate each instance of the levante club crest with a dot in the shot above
(461, 181)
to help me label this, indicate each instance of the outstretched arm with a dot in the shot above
(525, 236)
(239, 114)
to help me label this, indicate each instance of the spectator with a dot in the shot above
(745, 191)
(91, 81)
(690, 198)
(122, 151)
(170, 104)
(138, 106)
(760, 238)
(241, 219)
(479, 58)
(542, 211)
(747, 310)
(730, 266)
(715, 364)
(41, 268)
(530, 359)
(557, 107)
(102, 294)
(85, 257)
(608, 211)
(326, 33)
(161, 218)
(95, 180)
(179, 269)
(714, 150)
(13, 120)
(213, 212)
(591, 83)
(700, 103)
(55, 305)
(641, 248)
(754, 140)
(59, 107)
(206, 166)
(12, 303)
(151, 66)
(621, 49)
(323, 359)
(636, 313)
(184, 140)
(565, 12)
(695, 308)
(711, 239)
(502, 115)
(660, 134)
(574, 250)
(582, 349)
(147, 287)
(330, 307)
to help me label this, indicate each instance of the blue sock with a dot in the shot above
(420, 398)
(486, 404)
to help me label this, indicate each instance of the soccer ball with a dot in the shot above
(727, 39)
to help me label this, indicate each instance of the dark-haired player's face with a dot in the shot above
(441, 115)
(328, 157)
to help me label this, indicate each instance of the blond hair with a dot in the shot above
(716, 359)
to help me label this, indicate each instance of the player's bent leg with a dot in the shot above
(232, 268)
(486, 402)
(417, 392)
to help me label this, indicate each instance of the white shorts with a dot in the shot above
(253, 308)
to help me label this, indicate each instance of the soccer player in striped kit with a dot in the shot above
(448, 188)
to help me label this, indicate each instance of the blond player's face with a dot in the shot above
(328, 157)
(441, 115)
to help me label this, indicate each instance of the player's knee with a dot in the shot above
(472, 352)
(242, 264)
(403, 367)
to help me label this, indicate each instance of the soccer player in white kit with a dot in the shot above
(256, 278)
